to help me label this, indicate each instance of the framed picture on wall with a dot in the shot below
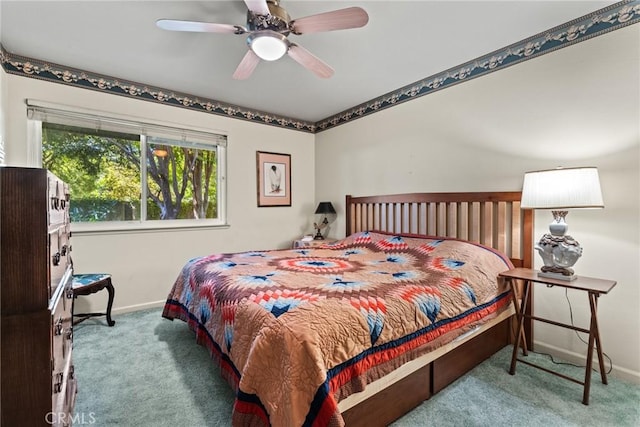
(274, 179)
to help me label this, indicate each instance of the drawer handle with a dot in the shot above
(69, 293)
(57, 387)
(58, 327)
(63, 250)
(70, 334)
(56, 258)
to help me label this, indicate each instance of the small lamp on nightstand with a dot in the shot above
(559, 190)
(324, 208)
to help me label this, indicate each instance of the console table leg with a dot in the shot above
(593, 329)
(520, 314)
(594, 304)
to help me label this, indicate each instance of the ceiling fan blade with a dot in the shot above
(199, 27)
(305, 58)
(258, 6)
(342, 19)
(246, 66)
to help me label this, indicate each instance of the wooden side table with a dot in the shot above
(594, 288)
(87, 284)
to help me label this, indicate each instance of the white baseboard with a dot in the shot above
(138, 307)
(579, 359)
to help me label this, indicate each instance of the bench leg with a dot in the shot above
(110, 304)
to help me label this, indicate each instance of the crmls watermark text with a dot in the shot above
(62, 418)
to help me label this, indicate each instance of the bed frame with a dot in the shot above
(490, 218)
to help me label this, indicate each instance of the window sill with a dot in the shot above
(125, 227)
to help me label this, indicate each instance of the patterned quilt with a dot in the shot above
(295, 331)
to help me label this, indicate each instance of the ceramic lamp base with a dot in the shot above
(558, 276)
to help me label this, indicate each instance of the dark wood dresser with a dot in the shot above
(38, 385)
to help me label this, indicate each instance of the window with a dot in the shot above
(129, 175)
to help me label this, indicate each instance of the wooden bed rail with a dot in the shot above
(493, 219)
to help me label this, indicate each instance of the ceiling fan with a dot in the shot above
(267, 30)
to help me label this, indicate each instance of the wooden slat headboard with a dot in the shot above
(491, 218)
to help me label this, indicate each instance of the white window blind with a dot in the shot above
(45, 112)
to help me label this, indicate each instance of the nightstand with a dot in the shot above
(594, 288)
(299, 243)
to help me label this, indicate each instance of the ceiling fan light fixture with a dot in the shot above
(268, 45)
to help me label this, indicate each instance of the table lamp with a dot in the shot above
(560, 190)
(324, 208)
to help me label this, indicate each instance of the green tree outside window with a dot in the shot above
(103, 169)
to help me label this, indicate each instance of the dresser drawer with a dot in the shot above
(59, 257)
(72, 388)
(63, 401)
(61, 337)
(65, 203)
(67, 293)
(62, 375)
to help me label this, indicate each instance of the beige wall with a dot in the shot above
(574, 107)
(144, 265)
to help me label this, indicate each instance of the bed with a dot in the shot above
(361, 330)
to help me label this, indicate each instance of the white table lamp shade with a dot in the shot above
(562, 189)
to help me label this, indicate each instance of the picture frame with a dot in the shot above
(273, 172)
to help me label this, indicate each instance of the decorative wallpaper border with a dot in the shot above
(34, 68)
(602, 21)
(596, 23)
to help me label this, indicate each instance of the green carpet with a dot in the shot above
(148, 371)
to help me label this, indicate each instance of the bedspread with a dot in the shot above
(295, 331)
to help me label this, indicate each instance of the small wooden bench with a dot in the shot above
(87, 284)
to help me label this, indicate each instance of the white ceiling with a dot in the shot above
(404, 41)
